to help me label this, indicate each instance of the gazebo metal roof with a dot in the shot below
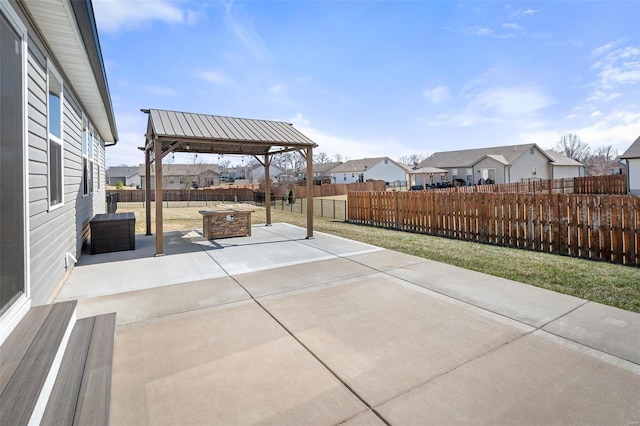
(192, 132)
(173, 131)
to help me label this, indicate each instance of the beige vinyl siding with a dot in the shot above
(521, 169)
(490, 163)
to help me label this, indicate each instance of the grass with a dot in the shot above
(601, 282)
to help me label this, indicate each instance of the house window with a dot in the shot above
(469, 176)
(85, 157)
(532, 151)
(54, 123)
(534, 171)
(386, 161)
(13, 216)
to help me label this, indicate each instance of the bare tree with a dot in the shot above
(197, 171)
(321, 158)
(167, 170)
(571, 146)
(338, 158)
(413, 160)
(603, 161)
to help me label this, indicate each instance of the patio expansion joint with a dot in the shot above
(541, 328)
(316, 357)
(457, 367)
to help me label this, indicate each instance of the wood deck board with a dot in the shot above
(95, 391)
(18, 342)
(21, 393)
(62, 404)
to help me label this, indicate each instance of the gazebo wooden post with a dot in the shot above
(147, 189)
(267, 188)
(309, 192)
(157, 146)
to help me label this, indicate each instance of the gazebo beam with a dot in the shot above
(309, 155)
(159, 225)
(147, 190)
(267, 188)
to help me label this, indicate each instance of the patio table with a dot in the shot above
(226, 223)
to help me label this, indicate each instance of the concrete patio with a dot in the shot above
(278, 329)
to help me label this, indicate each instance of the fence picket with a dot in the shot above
(603, 227)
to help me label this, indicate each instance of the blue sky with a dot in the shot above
(380, 78)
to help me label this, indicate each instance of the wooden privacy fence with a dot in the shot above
(218, 194)
(329, 190)
(599, 227)
(613, 184)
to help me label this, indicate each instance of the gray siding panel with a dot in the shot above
(54, 233)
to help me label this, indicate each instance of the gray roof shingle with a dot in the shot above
(633, 151)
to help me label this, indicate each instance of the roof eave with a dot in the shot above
(85, 70)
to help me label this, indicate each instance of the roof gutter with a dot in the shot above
(85, 18)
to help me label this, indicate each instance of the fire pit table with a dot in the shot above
(226, 222)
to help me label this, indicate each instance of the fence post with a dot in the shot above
(398, 214)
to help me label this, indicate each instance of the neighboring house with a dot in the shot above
(381, 168)
(564, 167)
(255, 173)
(128, 175)
(55, 121)
(236, 173)
(181, 176)
(632, 157)
(502, 164)
(323, 170)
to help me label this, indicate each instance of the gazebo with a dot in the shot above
(172, 131)
(428, 171)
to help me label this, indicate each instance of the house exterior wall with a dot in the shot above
(55, 232)
(389, 172)
(565, 172)
(501, 171)
(521, 168)
(634, 175)
(346, 177)
(257, 174)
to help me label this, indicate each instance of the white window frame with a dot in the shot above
(534, 171)
(14, 313)
(86, 137)
(52, 72)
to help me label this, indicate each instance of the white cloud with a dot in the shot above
(511, 25)
(243, 29)
(436, 95)
(618, 129)
(615, 66)
(216, 77)
(122, 15)
(161, 91)
(512, 103)
(478, 31)
(349, 148)
(598, 51)
(498, 105)
(131, 129)
(276, 89)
